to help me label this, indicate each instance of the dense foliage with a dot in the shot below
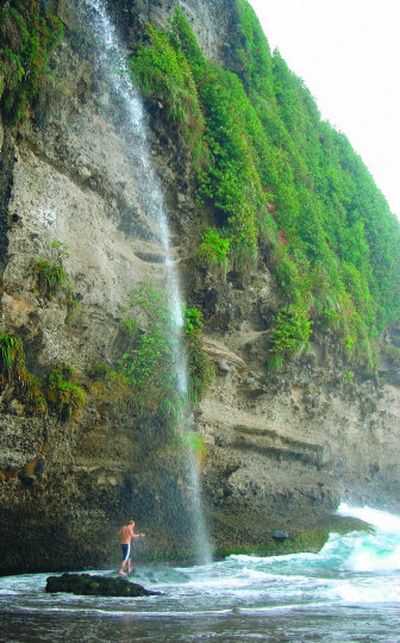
(164, 74)
(279, 178)
(29, 33)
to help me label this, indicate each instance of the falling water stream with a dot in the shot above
(112, 58)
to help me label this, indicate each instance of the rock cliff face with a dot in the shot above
(281, 450)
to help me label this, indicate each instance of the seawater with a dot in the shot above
(349, 591)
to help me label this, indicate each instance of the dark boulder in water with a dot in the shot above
(85, 584)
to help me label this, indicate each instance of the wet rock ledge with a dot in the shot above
(86, 584)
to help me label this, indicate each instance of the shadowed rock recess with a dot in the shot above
(296, 417)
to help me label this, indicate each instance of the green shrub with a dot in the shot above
(108, 384)
(195, 444)
(151, 362)
(231, 182)
(348, 376)
(200, 367)
(274, 362)
(51, 276)
(53, 282)
(184, 39)
(193, 322)
(11, 354)
(290, 334)
(213, 250)
(13, 371)
(287, 278)
(64, 395)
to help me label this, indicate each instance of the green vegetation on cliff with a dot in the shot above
(276, 177)
(61, 393)
(150, 364)
(29, 34)
(15, 375)
(64, 394)
(200, 369)
(52, 281)
(213, 250)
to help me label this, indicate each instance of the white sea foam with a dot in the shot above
(378, 592)
(380, 519)
(373, 552)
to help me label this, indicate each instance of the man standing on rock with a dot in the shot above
(126, 535)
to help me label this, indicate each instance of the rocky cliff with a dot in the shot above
(280, 449)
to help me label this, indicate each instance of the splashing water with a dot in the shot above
(382, 520)
(111, 58)
(380, 549)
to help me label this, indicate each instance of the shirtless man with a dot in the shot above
(126, 535)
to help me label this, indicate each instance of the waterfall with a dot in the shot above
(112, 67)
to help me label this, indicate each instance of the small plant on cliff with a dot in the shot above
(51, 276)
(201, 370)
(12, 354)
(348, 376)
(13, 371)
(196, 444)
(64, 394)
(213, 250)
(290, 334)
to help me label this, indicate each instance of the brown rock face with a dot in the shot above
(280, 450)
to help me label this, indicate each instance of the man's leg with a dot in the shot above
(126, 551)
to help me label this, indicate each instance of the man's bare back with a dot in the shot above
(126, 533)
